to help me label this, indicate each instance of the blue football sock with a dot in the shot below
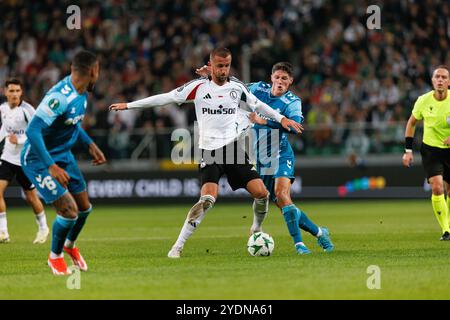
(76, 229)
(291, 217)
(306, 224)
(61, 227)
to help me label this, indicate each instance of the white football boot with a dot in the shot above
(4, 237)
(41, 236)
(175, 252)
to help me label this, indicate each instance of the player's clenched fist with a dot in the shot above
(118, 106)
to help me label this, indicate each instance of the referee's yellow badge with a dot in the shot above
(447, 118)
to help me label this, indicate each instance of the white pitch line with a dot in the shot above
(152, 238)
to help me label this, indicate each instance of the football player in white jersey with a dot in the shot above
(15, 116)
(217, 101)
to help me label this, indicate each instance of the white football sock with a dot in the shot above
(41, 221)
(319, 233)
(189, 227)
(55, 256)
(3, 222)
(260, 209)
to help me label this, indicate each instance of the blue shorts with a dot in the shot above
(46, 185)
(285, 170)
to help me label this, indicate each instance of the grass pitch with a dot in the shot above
(126, 248)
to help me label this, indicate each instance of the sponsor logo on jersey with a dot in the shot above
(208, 96)
(14, 131)
(221, 110)
(74, 121)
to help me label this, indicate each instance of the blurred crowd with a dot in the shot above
(357, 85)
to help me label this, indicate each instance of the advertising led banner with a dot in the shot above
(315, 183)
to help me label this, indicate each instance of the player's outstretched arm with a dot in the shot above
(257, 119)
(272, 124)
(179, 95)
(286, 123)
(257, 105)
(118, 106)
(290, 124)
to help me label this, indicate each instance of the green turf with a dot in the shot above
(126, 250)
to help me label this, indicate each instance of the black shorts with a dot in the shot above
(436, 161)
(236, 166)
(8, 171)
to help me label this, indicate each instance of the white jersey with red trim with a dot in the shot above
(14, 121)
(218, 108)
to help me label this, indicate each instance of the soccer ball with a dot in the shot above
(260, 244)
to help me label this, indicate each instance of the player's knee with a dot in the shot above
(68, 213)
(68, 210)
(283, 196)
(208, 201)
(260, 193)
(437, 190)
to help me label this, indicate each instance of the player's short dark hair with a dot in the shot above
(284, 66)
(13, 81)
(221, 52)
(441, 66)
(83, 61)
